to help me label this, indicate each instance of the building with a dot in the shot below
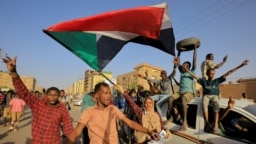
(86, 84)
(29, 82)
(78, 87)
(40, 89)
(235, 89)
(93, 77)
(131, 80)
(6, 81)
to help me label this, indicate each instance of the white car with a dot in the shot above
(196, 123)
(78, 102)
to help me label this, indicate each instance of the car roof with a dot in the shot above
(246, 105)
(224, 101)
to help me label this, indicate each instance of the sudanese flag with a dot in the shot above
(97, 39)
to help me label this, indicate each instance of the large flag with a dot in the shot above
(97, 39)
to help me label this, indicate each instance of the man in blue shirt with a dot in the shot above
(186, 88)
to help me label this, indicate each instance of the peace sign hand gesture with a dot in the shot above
(10, 63)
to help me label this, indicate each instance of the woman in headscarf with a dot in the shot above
(147, 117)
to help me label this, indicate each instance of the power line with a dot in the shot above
(196, 15)
(217, 16)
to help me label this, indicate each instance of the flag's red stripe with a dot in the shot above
(145, 21)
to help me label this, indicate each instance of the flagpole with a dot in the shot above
(107, 78)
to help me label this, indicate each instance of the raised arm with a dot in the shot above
(176, 61)
(245, 62)
(149, 79)
(221, 64)
(231, 104)
(149, 83)
(194, 59)
(20, 87)
(193, 75)
(136, 109)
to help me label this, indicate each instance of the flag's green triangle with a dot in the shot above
(82, 44)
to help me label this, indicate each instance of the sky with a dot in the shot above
(223, 27)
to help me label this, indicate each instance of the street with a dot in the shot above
(23, 135)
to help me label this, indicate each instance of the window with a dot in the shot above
(238, 127)
(191, 114)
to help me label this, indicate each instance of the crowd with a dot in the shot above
(100, 114)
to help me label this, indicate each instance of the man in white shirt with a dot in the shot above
(209, 64)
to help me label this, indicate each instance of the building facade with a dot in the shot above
(93, 77)
(131, 80)
(235, 89)
(6, 81)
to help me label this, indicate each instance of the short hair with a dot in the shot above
(146, 93)
(10, 91)
(208, 55)
(211, 69)
(53, 89)
(132, 91)
(99, 85)
(163, 72)
(187, 62)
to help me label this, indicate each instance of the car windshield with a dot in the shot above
(251, 109)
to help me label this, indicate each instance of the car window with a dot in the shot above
(191, 115)
(238, 127)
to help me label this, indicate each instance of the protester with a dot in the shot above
(48, 113)
(244, 97)
(71, 98)
(1, 103)
(88, 101)
(37, 93)
(147, 117)
(236, 125)
(7, 113)
(17, 110)
(153, 87)
(64, 99)
(165, 84)
(211, 92)
(209, 64)
(101, 119)
(186, 88)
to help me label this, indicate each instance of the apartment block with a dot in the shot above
(93, 77)
(131, 80)
(6, 81)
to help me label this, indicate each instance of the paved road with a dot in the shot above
(23, 135)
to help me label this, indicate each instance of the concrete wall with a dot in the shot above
(237, 89)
